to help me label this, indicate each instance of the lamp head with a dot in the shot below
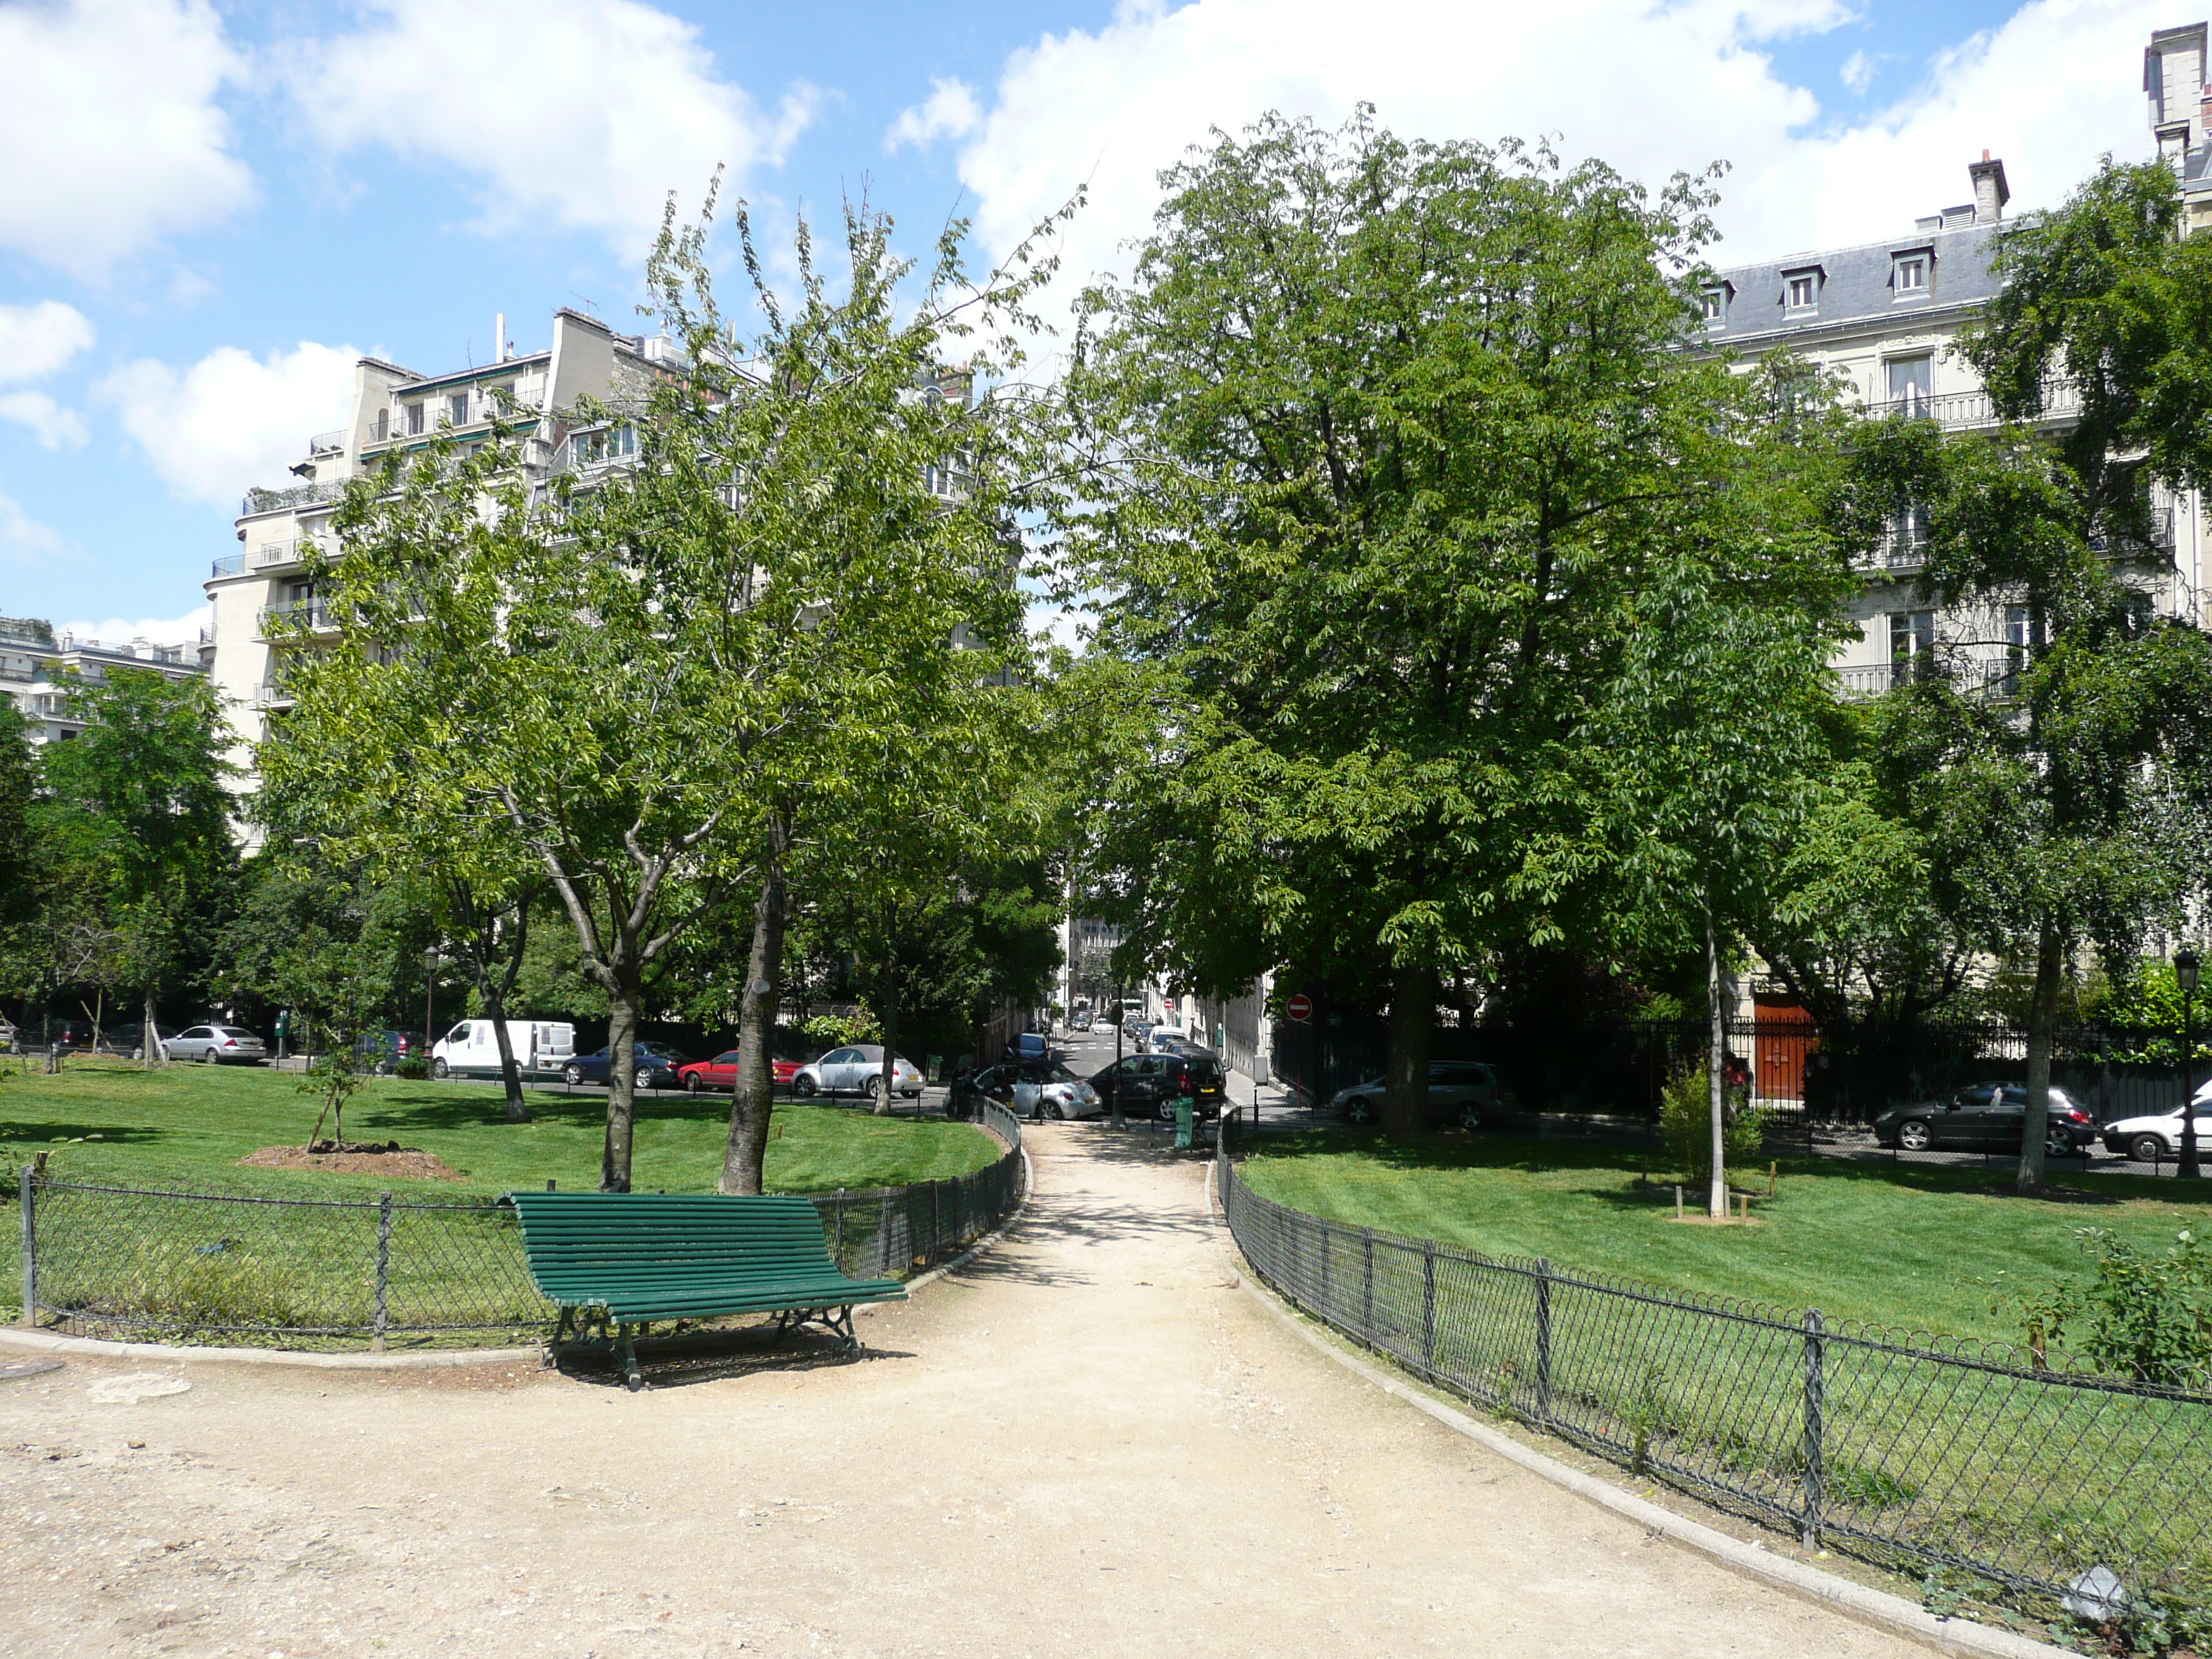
(431, 960)
(2185, 968)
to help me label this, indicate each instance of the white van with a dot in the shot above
(472, 1048)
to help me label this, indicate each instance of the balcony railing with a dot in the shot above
(1964, 411)
(231, 564)
(296, 613)
(274, 501)
(269, 694)
(326, 443)
(1991, 678)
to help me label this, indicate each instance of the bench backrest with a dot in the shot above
(575, 1240)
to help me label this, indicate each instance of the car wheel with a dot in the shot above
(643, 1079)
(1471, 1118)
(875, 1089)
(439, 1070)
(2147, 1149)
(1361, 1110)
(1058, 1111)
(803, 1086)
(691, 1083)
(571, 1075)
(209, 1057)
(1913, 1136)
(2057, 1145)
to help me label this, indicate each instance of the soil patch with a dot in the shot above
(354, 1157)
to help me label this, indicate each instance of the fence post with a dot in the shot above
(28, 1192)
(1367, 1286)
(1428, 1304)
(936, 1218)
(840, 1213)
(383, 1270)
(1327, 1232)
(1815, 1412)
(1543, 1339)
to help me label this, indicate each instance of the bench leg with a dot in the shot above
(841, 1319)
(550, 1356)
(626, 1351)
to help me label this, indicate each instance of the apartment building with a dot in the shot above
(397, 410)
(1885, 315)
(40, 670)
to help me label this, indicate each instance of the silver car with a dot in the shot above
(216, 1045)
(1459, 1091)
(858, 1070)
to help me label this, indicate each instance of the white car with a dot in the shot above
(858, 1070)
(1040, 1089)
(2157, 1135)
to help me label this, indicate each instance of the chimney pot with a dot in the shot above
(1991, 191)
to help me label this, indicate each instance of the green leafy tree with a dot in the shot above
(144, 786)
(1377, 451)
(2062, 796)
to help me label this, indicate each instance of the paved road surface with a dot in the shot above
(1086, 1443)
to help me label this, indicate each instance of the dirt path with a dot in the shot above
(1087, 1443)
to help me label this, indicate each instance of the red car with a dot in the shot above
(722, 1073)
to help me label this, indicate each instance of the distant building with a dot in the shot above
(397, 410)
(40, 670)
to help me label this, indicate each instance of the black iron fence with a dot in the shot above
(1922, 1455)
(153, 1264)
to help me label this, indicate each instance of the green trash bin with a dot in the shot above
(1185, 1111)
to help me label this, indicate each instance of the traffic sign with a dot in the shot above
(1299, 1007)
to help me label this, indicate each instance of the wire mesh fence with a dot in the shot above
(151, 1264)
(1923, 1455)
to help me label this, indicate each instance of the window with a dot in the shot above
(1909, 277)
(1911, 384)
(1911, 645)
(1907, 546)
(1712, 301)
(414, 420)
(458, 404)
(1803, 291)
(382, 429)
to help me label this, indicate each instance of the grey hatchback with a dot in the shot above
(216, 1045)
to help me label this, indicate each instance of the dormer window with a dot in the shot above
(1912, 276)
(1712, 298)
(1803, 291)
(1912, 272)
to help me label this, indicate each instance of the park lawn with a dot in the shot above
(1914, 1248)
(187, 1126)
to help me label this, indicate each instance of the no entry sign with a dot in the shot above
(1299, 1007)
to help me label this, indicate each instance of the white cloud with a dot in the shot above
(36, 340)
(55, 427)
(584, 112)
(109, 118)
(951, 111)
(23, 540)
(160, 630)
(231, 420)
(1858, 70)
(1649, 86)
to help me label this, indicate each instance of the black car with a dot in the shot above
(1151, 1084)
(1984, 1117)
(656, 1067)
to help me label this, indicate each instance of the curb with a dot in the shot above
(95, 1347)
(1885, 1612)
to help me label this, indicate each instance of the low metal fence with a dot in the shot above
(1925, 1455)
(154, 1264)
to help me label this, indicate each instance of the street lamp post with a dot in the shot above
(429, 989)
(2186, 967)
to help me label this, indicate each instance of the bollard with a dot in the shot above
(1677, 1200)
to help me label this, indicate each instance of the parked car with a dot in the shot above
(1137, 1033)
(127, 1040)
(2157, 1135)
(856, 1070)
(657, 1066)
(217, 1045)
(472, 1048)
(1081, 1022)
(382, 1051)
(722, 1073)
(1149, 1085)
(1460, 1091)
(1029, 1089)
(1029, 1045)
(9, 1037)
(1984, 1117)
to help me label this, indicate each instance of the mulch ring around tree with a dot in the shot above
(377, 1158)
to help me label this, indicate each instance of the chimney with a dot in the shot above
(1991, 191)
(499, 330)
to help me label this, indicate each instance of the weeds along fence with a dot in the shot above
(1933, 1458)
(154, 1264)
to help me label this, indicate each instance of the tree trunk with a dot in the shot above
(1716, 1063)
(150, 1038)
(1412, 1016)
(494, 1008)
(753, 1094)
(621, 1084)
(2042, 1025)
(888, 1014)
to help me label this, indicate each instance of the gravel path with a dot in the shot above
(1085, 1442)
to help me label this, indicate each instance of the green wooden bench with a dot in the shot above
(625, 1261)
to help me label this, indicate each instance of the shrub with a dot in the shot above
(414, 1068)
(1686, 1120)
(841, 1030)
(2144, 1316)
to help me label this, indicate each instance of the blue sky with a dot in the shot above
(213, 209)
